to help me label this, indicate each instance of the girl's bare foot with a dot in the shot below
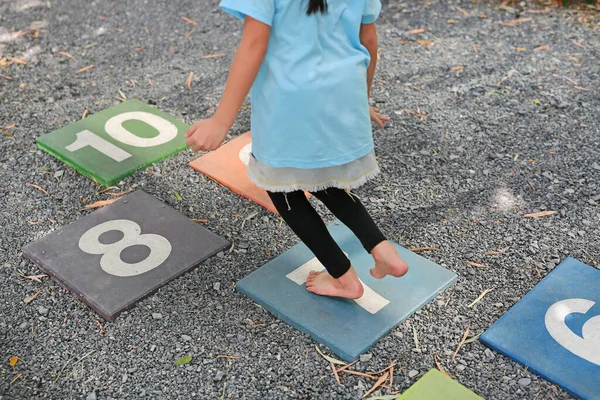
(387, 261)
(347, 285)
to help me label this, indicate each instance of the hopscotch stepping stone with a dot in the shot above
(118, 255)
(116, 142)
(347, 327)
(554, 330)
(435, 385)
(227, 165)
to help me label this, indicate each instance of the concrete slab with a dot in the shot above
(118, 255)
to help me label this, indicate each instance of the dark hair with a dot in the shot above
(315, 6)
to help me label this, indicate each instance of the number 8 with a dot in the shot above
(160, 247)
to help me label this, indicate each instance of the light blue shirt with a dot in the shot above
(309, 101)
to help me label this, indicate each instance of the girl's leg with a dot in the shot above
(348, 209)
(341, 279)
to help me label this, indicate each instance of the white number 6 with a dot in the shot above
(160, 247)
(587, 346)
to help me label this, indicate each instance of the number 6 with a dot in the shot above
(160, 247)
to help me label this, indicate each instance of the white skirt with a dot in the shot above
(348, 176)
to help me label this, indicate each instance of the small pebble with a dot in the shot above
(489, 354)
(186, 338)
(217, 285)
(524, 382)
(366, 357)
(413, 373)
(91, 396)
(219, 376)
(43, 310)
(156, 315)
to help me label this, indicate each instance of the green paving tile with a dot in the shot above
(436, 386)
(116, 142)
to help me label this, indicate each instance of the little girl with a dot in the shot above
(310, 64)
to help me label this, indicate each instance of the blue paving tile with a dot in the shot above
(555, 329)
(345, 326)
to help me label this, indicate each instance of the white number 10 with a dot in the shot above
(167, 131)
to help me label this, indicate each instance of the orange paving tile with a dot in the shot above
(227, 165)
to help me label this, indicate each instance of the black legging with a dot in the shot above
(304, 220)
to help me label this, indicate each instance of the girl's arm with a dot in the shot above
(209, 134)
(368, 38)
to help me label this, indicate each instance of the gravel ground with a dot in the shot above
(487, 125)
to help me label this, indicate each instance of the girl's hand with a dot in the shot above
(206, 134)
(378, 118)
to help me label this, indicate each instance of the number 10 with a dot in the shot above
(167, 131)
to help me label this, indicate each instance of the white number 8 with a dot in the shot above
(160, 247)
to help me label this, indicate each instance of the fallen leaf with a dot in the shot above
(188, 82)
(471, 263)
(22, 86)
(330, 359)
(544, 47)
(9, 126)
(502, 81)
(492, 253)
(334, 371)
(6, 77)
(379, 382)
(122, 94)
(540, 214)
(183, 360)
(472, 339)
(458, 69)
(520, 48)
(177, 196)
(84, 69)
(38, 188)
(212, 56)
(100, 203)
(200, 220)
(463, 12)
(481, 296)
(17, 378)
(364, 375)
(189, 21)
(18, 61)
(32, 298)
(415, 31)
(33, 222)
(101, 327)
(228, 357)
(442, 370)
(461, 343)
(13, 361)
(248, 218)
(189, 34)
(516, 21)
(426, 43)
(424, 248)
(64, 53)
(345, 367)
(415, 338)
(451, 21)
(85, 113)
(34, 277)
